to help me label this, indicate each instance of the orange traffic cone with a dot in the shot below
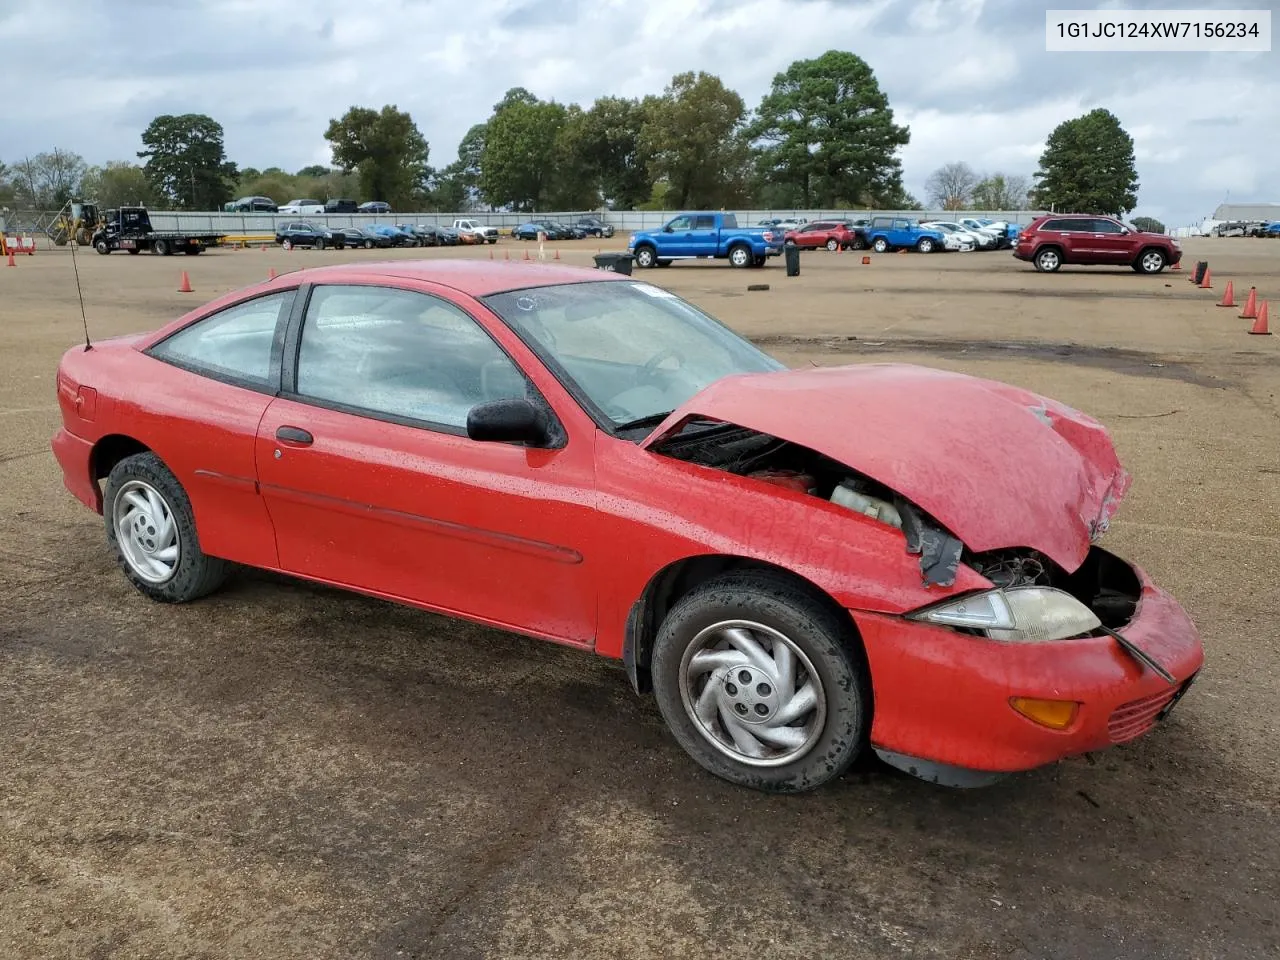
(557, 256)
(263, 248)
(1260, 324)
(271, 274)
(1177, 267)
(866, 261)
(1250, 305)
(526, 254)
(1206, 283)
(12, 262)
(1229, 297)
(185, 286)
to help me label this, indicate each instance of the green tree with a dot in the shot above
(693, 137)
(7, 191)
(1148, 224)
(575, 176)
(384, 148)
(520, 152)
(1000, 191)
(829, 132)
(314, 171)
(186, 161)
(48, 180)
(608, 144)
(466, 169)
(119, 183)
(1088, 167)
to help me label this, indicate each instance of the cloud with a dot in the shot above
(970, 77)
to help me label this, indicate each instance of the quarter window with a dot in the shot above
(233, 344)
(1105, 226)
(400, 354)
(704, 223)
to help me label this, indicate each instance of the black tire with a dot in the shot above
(368, 244)
(740, 256)
(664, 263)
(646, 256)
(319, 243)
(1150, 261)
(879, 244)
(1048, 260)
(833, 244)
(134, 250)
(190, 251)
(197, 574)
(102, 247)
(857, 244)
(827, 639)
(161, 248)
(925, 245)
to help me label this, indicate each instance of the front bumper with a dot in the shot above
(942, 697)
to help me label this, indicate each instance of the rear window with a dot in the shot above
(1060, 225)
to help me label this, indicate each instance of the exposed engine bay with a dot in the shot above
(1104, 583)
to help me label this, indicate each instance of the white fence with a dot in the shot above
(260, 223)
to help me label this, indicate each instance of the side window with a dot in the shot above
(1056, 226)
(233, 344)
(680, 223)
(704, 223)
(1105, 226)
(402, 354)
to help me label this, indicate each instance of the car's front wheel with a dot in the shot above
(319, 243)
(741, 256)
(368, 244)
(1151, 261)
(762, 682)
(645, 257)
(925, 245)
(152, 531)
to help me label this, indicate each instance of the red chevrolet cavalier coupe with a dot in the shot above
(799, 564)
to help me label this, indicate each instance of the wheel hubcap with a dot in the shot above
(146, 532)
(752, 693)
(1151, 262)
(739, 256)
(1048, 260)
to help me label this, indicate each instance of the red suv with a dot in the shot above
(832, 234)
(1053, 240)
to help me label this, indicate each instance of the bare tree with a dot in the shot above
(48, 180)
(951, 186)
(1001, 191)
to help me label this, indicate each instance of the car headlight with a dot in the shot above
(1015, 614)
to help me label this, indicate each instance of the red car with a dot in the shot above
(798, 563)
(1050, 241)
(832, 234)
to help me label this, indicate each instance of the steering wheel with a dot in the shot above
(650, 369)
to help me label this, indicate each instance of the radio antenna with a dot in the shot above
(84, 318)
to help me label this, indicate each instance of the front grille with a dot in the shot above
(1133, 719)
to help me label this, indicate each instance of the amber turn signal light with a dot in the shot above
(1054, 714)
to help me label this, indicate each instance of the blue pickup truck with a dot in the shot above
(705, 235)
(899, 233)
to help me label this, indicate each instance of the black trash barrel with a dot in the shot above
(616, 262)
(792, 253)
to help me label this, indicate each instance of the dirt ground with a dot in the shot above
(283, 770)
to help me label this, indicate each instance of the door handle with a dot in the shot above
(294, 436)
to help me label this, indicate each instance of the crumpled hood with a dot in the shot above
(997, 465)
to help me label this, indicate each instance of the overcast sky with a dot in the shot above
(971, 78)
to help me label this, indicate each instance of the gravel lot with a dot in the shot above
(283, 770)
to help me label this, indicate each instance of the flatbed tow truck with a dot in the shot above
(129, 228)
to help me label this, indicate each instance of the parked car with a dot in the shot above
(1054, 239)
(341, 205)
(252, 205)
(776, 566)
(398, 237)
(371, 237)
(304, 233)
(790, 223)
(303, 208)
(594, 227)
(482, 232)
(351, 236)
(953, 239)
(899, 233)
(832, 234)
(997, 230)
(374, 206)
(425, 235)
(705, 235)
(1272, 229)
(976, 241)
(527, 231)
(574, 232)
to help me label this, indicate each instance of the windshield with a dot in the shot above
(633, 351)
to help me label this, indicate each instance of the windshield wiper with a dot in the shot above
(652, 420)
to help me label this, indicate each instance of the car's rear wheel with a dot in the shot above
(319, 243)
(152, 531)
(1151, 261)
(833, 244)
(646, 256)
(1048, 260)
(925, 245)
(763, 683)
(102, 247)
(161, 247)
(664, 263)
(880, 245)
(740, 256)
(368, 244)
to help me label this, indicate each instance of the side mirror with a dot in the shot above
(667, 229)
(513, 420)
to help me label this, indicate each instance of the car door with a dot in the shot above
(216, 379)
(1110, 242)
(704, 237)
(677, 240)
(372, 482)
